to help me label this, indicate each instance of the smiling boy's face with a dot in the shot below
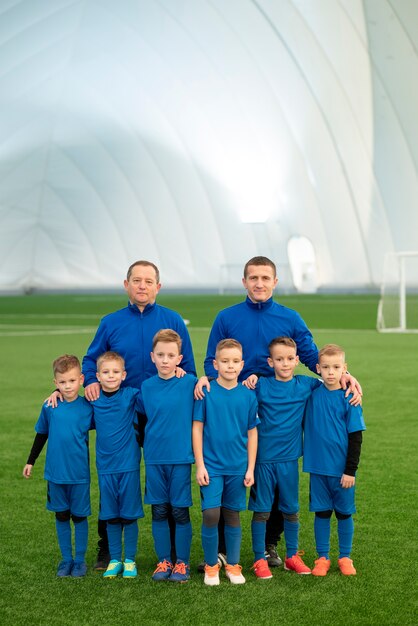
(69, 383)
(110, 375)
(284, 361)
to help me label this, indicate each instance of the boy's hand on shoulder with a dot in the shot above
(92, 392)
(27, 470)
(353, 386)
(249, 478)
(251, 381)
(200, 385)
(202, 476)
(52, 400)
(347, 481)
(180, 372)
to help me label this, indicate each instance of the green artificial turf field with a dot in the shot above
(36, 329)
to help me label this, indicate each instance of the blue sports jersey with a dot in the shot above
(117, 449)
(67, 427)
(281, 406)
(228, 415)
(254, 325)
(329, 418)
(168, 405)
(130, 332)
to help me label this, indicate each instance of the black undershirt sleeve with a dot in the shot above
(38, 444)
(353, 452)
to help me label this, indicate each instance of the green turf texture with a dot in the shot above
(36, 329)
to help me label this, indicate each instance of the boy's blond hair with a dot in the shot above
(64, 363)
(260, 260)
(227, 343)
(282, 341)
(167, 335)
(110, 356)
(145, 264)
(330, 349)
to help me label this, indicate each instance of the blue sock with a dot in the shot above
(258, 534)
(210, 544)
(183, 541)
(322, 530)
(64, 539)
(130, 535)
(162, 541)
(81, 533)
(345, 536)
(291, 536)
(114, 535)
(233, 536)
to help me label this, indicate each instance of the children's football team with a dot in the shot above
(239, 436)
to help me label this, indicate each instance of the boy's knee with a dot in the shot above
(211, 517)
(231, 517)
(63, 516)
(341, 516)
(259, 516)
(323, 514)
(114, 521)
(181, 515)
(291, 517)
(126, 522)
(76, 519)
(160, 512)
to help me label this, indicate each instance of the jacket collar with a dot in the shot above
(259, 306)
(148, 309)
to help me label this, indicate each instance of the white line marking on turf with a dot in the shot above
(42, 333)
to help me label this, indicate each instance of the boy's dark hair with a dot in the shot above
(282, 341)
(145, 264)
(167, 335)
(109, 356)
(227, 343)
(260, 260)
(64, 363)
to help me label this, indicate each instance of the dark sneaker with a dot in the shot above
(103, 560)
(272, 557)
(64, 569)
(181, 573)
(162, 571)
(79, 570)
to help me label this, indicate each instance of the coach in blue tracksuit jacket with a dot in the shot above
(129, 332)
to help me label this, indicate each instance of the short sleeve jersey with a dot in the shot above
(227, 415)
(168, 405)
(117, 449)
(329, 419)
(67, 427)
(281, 406)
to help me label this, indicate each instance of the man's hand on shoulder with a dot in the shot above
(200, 385)
(92, 392)
(353, 386)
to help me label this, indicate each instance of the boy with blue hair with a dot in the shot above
(225, 449)
(118, 458)
(168, 403)
(332, 444)
(67, 468)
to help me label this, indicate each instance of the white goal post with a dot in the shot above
(398, 305)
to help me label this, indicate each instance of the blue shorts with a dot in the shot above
(168, 483)
(326, 494)
(267, 477)
(73, 498)
(227, 491)
(120, 496)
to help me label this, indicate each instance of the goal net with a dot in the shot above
(398, 305)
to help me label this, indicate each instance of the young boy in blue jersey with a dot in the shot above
(332, 445)
(225, 449)
(168, 402)
(118, 457)
(67, 467)
(281, 405)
